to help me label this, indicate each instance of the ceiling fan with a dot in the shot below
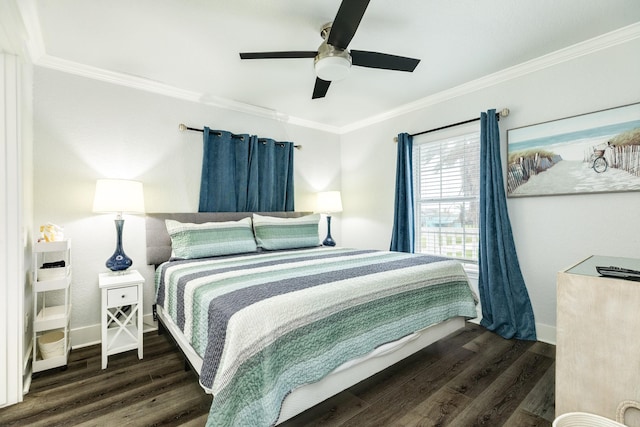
(332, 59)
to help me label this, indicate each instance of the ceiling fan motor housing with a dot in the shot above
(332, 64)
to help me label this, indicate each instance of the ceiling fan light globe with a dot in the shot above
(332, 68)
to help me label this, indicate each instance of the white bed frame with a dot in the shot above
(345, 376)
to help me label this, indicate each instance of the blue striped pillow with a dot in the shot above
(286, 233)
(210, 238)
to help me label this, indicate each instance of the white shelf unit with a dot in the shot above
(51, 300)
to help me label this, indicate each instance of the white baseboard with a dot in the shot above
(546, 333)
(90, 335)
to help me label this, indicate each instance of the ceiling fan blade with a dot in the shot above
(321, 88)
(385, 61)
(346, 22)
(279, 55)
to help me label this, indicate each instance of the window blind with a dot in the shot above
(447, 194)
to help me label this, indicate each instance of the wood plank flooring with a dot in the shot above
(471, 378)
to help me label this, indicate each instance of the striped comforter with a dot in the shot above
(266, 323)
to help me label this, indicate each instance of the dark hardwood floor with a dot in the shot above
(472, 378)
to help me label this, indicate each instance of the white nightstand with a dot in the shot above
(121, 331)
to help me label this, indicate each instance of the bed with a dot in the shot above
(273, 329)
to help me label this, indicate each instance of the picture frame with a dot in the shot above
(596, 152)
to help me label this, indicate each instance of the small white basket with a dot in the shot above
(583, 419)
(52, 273)
(51, 344)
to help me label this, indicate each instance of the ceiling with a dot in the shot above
(192, 46)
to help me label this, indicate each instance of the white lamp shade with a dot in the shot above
(329, 202)
(118, 195)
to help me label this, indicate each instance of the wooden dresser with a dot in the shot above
(598, 340)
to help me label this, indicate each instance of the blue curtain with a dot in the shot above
(403, 235)
(506, 308)
(244, 173)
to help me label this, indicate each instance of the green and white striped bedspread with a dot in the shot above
(266, 323)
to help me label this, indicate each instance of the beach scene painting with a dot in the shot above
(591, 153)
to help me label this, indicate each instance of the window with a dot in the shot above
(447, 194)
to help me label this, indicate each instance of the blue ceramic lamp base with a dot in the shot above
(119, 261)
(328, 241)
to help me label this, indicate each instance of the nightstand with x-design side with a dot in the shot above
(122, 296)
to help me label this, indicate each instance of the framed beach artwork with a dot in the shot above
(591, 153)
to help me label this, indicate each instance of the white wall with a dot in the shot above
(86, 129)
(550, 233)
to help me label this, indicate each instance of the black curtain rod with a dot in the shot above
(184, 127)
(502, 113)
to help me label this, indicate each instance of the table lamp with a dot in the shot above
(118, 196)
(329, 202)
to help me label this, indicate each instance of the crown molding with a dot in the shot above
(116, 78)
(607, 40)
(34, 42)
(152, 86)
(14, 37)
(36, 48)
(37, 52)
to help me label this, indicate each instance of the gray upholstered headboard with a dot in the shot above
(159, 242)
